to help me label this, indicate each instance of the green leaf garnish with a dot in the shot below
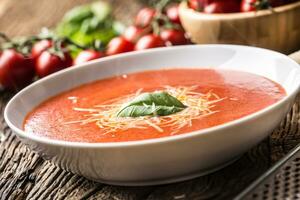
(151, 104)
(87, 23)
(78, 14)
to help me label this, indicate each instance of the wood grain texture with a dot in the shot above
(26, 17)
(25, 175)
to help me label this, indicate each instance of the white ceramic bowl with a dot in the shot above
(169, 159)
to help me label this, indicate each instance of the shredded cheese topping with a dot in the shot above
(198, 105)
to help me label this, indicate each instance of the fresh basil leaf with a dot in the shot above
(92, 25)
(152, 104)
(101, 10)
(78, 14)
(87, 23)
(104, 35)
(67, 29)
(86, 26)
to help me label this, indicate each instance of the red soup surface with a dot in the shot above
(212, 97)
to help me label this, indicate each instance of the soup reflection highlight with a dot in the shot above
(151, 104)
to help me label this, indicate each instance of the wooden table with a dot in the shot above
(25, 175)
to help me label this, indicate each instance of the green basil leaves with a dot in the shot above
(151, 104)
(88, 23)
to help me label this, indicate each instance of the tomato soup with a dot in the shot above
(88, 113)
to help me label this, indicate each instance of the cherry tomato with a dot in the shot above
(220, 6)
(173, 14)
(133, 33)
(198, 5)
(48, 63)
(175, 37)
(248, 5)
(16, 70)
(144, 17)
(39, 47)
(252, 5)
(194, 5)
(119, 45)
(87, 55)
(149, 41)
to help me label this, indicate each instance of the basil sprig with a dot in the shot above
(88, 23)
(151, 104)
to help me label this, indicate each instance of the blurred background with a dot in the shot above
(77, 31)
(26, 17)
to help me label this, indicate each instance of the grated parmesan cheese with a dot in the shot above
(198, 105)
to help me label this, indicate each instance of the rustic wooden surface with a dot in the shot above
(25, 175)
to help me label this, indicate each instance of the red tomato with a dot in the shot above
(16, 70)
(248, 5)
(198, 5)
(39, 47)
(87, 55)
(149, 41)
(133, 33)
(194, 5)
(252, 5)
(175, 37)
(144, 17)
(48, 63)
(173, 14)
(220, 6)
(119, 45)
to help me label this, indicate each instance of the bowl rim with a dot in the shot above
(154, 141)
(183, 8)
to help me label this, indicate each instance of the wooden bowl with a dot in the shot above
(277, 29)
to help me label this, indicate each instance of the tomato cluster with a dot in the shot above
(17, 69)
(153, 27)
(232, 6)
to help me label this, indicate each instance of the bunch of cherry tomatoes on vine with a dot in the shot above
(21, 62)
